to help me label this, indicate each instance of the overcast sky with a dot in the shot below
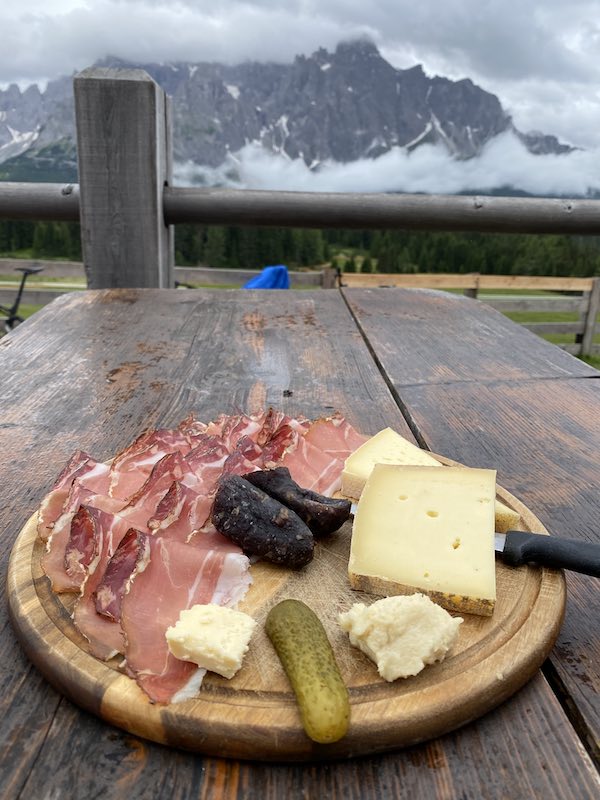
(540, 57)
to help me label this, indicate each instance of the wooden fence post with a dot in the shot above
(328, 278)
(589, 322)
(473, 291)
(124, 157)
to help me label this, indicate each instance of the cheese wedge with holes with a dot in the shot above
(388, 447)
(422, 529)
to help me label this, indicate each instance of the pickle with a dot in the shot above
(308, 660)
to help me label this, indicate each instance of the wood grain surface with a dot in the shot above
(254, 715)
(92, 370)
(446, 338)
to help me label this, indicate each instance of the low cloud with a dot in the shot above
(504, 163)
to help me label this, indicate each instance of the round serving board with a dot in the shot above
(254, 715)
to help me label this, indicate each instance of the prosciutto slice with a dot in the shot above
(132, 466)
(181, 513)
(335, 435)
(312, 468)
(131, 555)
(103, 634)
(65, 561)
(317, 460)
(204, 463)
(79, 466)
(61, 562)
(177, 576)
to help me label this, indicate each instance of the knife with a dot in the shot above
(517, 547)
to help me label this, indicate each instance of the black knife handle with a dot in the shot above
(550, 551)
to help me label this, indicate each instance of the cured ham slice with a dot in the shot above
(60, 548)
(164, 473)
(313, 469)
(176, 577)
(191, 427)
(317, 460)
(103, 634)
(64, 561)
(133, 465)
(241, 425)
(131, 555)
(51, 507)
(181, 513)
(205, 463)
(283, 440)
(81, 549)
(272, 421)
(79, 465)
(238, 464)
(335, 435)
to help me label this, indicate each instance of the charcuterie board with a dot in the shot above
(254, 715)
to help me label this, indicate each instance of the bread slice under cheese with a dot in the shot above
(388, 447)
(418, 528)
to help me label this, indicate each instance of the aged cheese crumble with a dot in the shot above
(401, 634)
(214, 637)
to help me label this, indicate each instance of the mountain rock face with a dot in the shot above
(338, 106)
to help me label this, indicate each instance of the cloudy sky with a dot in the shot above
(541, 57)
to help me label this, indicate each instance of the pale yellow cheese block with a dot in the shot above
(388, 447)
(418, 528)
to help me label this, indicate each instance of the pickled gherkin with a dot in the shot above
(309, 662)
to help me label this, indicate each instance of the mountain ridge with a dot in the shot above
(330, 106)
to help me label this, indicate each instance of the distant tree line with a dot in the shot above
(41, 239)
(352, 250)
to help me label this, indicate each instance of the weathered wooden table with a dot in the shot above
(93, 369)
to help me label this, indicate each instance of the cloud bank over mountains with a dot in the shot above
(504, 162)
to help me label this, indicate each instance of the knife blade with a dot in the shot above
(518, 547)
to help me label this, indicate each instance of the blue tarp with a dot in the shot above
(270, 278)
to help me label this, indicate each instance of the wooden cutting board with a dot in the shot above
(254, 715)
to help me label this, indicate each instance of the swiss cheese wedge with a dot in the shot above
(388, 447)
(419, 528)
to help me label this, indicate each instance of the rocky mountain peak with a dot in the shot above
(341, 106)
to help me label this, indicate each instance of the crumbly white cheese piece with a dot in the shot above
(388, 447)
(214, 637)
(401, 634)
(428, 530)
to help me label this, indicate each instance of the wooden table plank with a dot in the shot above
(91, 370)
(485, 759)
(427, 336)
